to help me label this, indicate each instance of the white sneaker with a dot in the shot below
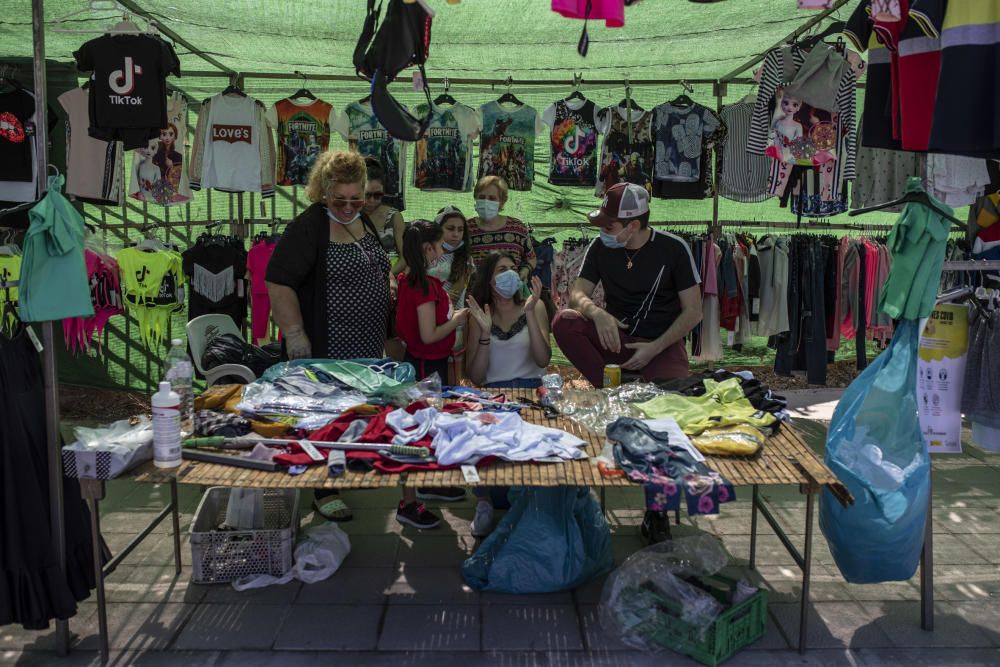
(482, 523)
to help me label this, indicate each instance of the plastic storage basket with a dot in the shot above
(735, 628)
(224, 556)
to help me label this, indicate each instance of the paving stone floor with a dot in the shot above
(400, 599)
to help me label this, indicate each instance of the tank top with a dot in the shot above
(510, 354)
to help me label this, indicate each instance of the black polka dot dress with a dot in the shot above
(356, 299)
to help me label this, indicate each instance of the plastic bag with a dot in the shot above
(317, 557)
(551, 539)
(596, 408)
(629, 604)
(875, 447)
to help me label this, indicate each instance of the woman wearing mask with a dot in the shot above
(508, 344)
(491, 232)
(454, 269)
(329, 278)
(387, 220)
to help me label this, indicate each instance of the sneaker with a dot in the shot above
(655, 527)
(482, 523)
(448, 494)
(415, 514)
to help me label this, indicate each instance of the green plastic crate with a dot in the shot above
(734, 628)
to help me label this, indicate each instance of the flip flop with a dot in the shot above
(333, 509)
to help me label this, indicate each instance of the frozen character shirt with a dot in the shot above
(573, 137)
(359, 126)
(442, 158)
(159, 171)
(507, 144)
(303, 133)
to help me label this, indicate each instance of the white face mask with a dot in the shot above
(330, 214)
(487, 208)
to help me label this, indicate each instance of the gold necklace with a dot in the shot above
(628, 262)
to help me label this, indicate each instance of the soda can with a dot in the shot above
(612, 375)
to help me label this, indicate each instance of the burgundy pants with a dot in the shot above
(578, 339)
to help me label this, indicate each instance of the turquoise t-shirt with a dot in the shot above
(917, 242)
(53, 284)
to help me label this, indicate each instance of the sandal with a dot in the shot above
(333, 509)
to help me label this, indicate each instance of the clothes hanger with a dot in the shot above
(444, 97)
(303, 91)
(834, 28)
(627, 102)
(683, 100)
(233, 88)
(576, 94)
(918, 197)
(509, 97)
(125, 27)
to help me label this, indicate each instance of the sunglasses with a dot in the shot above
(374, 195)
(344, 203)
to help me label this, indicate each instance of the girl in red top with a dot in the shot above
(425, 319)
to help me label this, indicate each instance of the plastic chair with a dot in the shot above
(199, 331)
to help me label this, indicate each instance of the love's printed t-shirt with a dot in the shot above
(303, 131)
(573, 139)
(359, 126)
(442, 158)
(507, 143)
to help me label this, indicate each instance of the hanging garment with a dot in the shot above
(215, 269)
(815, 4)
(773, 255)
(159, 171)
(442, 157)
(303, 132)
(19, 174)
(93, 166)
(803, 346)
(628, 153)
(33, 589)
(365, 134)
(507, 143)
(106, 297)
(917, 241)
(10, 270)
(956, 180)
(880, 96)
(981, 386)
(817, 80)
(260, 301)
(545, 254)
(233, 146)
(573, 142)
(128, 73)
(680, 132)
(882, 175)
(151, 289)
(53, 280)
(743, 176)
(612, 12)
(566, 269)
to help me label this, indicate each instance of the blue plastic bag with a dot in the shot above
(876, 449)
(551, 539)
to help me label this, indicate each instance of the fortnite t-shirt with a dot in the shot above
(128, 91)
(442, 158)
(16, 130)
(359, 126)
(507, 144)
(303, 133)
(573, 137)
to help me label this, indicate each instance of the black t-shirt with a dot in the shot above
(16, 131)
(128, 96)
(214, 271)
(644, 297)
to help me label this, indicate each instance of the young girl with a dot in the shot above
(454, 269)
(425, 318)
(508, 343)
(387, 220)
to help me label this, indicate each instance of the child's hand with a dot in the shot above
(461, 314)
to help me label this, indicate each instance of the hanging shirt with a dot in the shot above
(215, 272)
(17, 129)
(260, 300)
(53, 281)
(680, 132)
(93, 166)
(744, 175)
(10, 271)
(877, 113)
(303, 129)
(442, 158)
(882, 175)
(361, 129)
(105, 295)
(573, 139)
(611, 11)
(233, 146)
(128, 99)
(507, 143)
(956, 180)
(625, 156)
(151, 283)
(159, 171)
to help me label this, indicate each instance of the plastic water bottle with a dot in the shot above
(179, 372)
(166, 427)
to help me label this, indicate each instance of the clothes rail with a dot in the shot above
(972, 265)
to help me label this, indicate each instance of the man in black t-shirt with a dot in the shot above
(651, 285)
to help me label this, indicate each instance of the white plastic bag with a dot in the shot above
(316, 558)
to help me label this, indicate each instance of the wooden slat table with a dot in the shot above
(786, 460)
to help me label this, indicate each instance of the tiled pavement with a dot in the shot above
(400, 599)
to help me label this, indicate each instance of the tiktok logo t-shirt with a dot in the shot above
(128, 95)
(573, 137)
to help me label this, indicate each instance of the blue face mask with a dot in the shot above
(329, 214)
(508, 283)
(611, 241)
(452, 248)
(487, 209)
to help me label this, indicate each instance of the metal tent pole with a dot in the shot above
(49, 379)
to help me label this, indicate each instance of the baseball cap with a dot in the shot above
(622, 202)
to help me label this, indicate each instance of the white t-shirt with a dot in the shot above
(232, 145)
